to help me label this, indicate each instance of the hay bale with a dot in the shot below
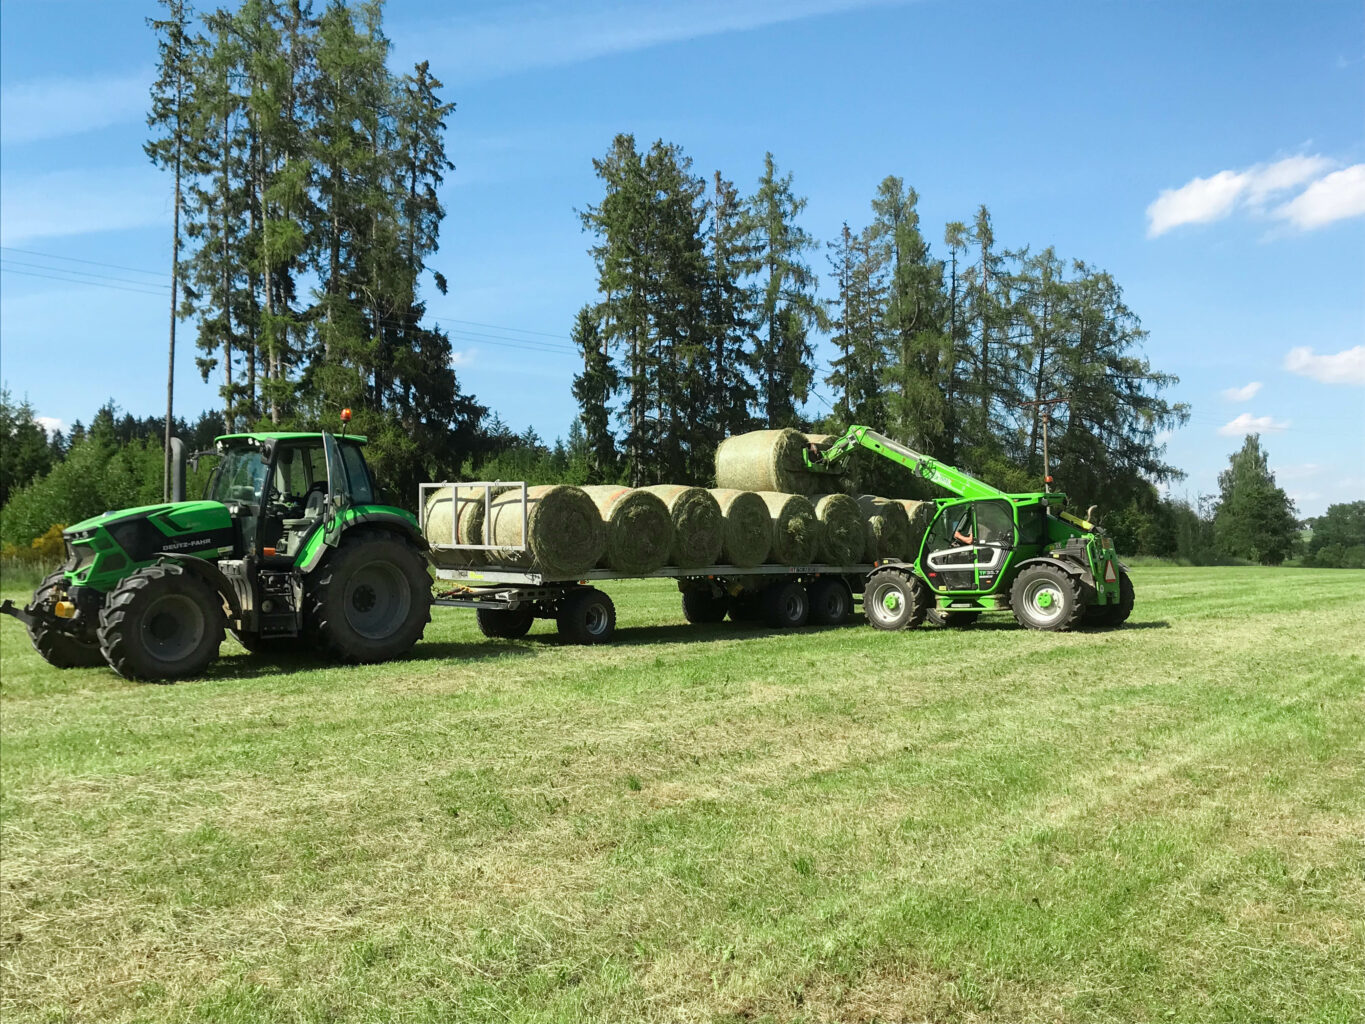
(698, 526)
(639, 528)
(796, 531)
(465, 506)
(748, 533)
(565, 533)
(920, 514)
(843, 534)
(887, 527)
(769, 460)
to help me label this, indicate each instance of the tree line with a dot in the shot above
(708, 304)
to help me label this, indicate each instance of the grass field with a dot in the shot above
(1165, 822)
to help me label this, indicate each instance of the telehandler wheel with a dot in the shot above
(950, 619)
(703, 608)
(58, 648)
(786, 605)
(586, 616)
(895, 600)
(1045, 597)
(161, 623)
(1107, 616)
(371, 599)
(505, 624)
(831, 601)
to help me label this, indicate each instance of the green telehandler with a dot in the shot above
(290, 548)
(985, 550)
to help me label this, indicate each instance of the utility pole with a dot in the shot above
(1044, 407)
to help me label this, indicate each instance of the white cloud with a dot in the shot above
(1249, 424)
(50, 424)
(1244, 394)
(1202, 200)
(509, 38)
(1345, 367)
(63, 203)
(1338, 196)
(1298, 471)
(49, 108)
(462, 357)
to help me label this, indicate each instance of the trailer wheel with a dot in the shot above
(57, 647)
(161, 623)
(505, 624)
(831, 601)
(786, 605)
(703, 608)
(895, 600)
(371, 600)
(1044, 597)
(746, 607)
(952, 620)
(586, 616)
(1107, 616)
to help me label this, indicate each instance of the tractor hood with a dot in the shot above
(104, 549)
(187, 513)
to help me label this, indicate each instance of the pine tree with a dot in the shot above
(728, 394)
(593, 389)
(956, 238)
(788, 308)
(859, 325)
(1254, 518)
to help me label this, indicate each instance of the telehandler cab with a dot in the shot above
(986, 549)
(290, 545)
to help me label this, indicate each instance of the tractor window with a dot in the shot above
(994, 524)
(357, 475)
(239, 477)
(294, 472)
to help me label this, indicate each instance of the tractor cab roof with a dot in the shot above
(227, 440)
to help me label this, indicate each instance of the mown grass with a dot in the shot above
(1165, 822)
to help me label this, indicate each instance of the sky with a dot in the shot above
(1211, 156)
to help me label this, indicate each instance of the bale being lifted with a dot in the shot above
(770, 460)
(564, 531)
(843, 534)
(466, 506)
(698, 526)
(639, 528)
(887, 527)
(748, 533)
(795, 530)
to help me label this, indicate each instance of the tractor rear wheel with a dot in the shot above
(505, 624)
(895, 600)
(701, 607)
(1107, 616)
(371, 600)
(831, 601)
(1045, 597)
(786, 605)
(161, 623)
(57, 647)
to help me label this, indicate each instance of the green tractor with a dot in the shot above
(985, 550)
(289, 549)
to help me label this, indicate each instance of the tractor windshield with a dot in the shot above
(239, 477)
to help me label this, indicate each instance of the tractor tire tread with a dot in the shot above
(326, 625)
(118, 647)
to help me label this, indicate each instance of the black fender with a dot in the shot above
(1070, 568)
(210, 574)
(889, 564)
(387, 521)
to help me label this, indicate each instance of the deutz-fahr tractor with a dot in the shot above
(290, 548)
(986, 549)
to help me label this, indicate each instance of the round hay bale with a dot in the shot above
(843, 534)
(698, 526)
(796, 531)
(565, 533)
(888, 527)
(748, 533)
(466, 528)
(639, 528)
(766, 460)
(920, 515)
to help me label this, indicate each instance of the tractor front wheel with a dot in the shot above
(1107, 616)
(371, 600)
(160, 624)
(895, 600)
(57, 647)
(1045, 597)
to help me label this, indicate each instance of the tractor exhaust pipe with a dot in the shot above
(177, 469)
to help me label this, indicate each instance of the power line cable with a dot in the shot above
(93, 284)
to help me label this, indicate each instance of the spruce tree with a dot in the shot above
(593, 389)
(728, 394)
(1254, 518)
